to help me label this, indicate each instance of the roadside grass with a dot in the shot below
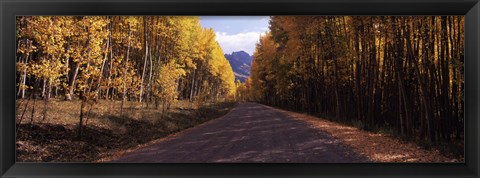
(107, 131)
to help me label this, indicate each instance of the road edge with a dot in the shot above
(120, 153)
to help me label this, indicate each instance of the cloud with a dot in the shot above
(264, 28)
(237, 42)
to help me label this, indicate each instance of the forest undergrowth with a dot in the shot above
(106, 131)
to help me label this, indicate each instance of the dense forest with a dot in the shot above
(401, 75)
(148, 59)
(397, 73)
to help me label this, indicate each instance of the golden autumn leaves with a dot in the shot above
(151, 59)
(398, 73)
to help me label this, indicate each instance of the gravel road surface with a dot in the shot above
(249, 133)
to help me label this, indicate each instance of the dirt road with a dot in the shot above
(250, 133)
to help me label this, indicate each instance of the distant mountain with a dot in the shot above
(240, 62)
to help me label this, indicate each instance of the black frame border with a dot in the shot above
(11, 8)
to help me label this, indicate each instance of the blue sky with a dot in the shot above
(237, 33)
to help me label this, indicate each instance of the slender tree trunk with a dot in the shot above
(72, 83)
(32, 115)
(125, 73)
(24, 78)
(110, 76)
(44, 88)
(149, 85)
(146, 56)
(192, 86)
(45, 105)
(99, 86)
(80, 124)
(23, 113)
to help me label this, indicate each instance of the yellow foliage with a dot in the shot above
(109, 52)
(167, 82)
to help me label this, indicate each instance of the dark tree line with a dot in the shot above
(399, 73)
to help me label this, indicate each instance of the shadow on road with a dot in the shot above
(249, 133)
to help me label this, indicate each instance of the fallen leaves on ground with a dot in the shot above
(376, 146)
